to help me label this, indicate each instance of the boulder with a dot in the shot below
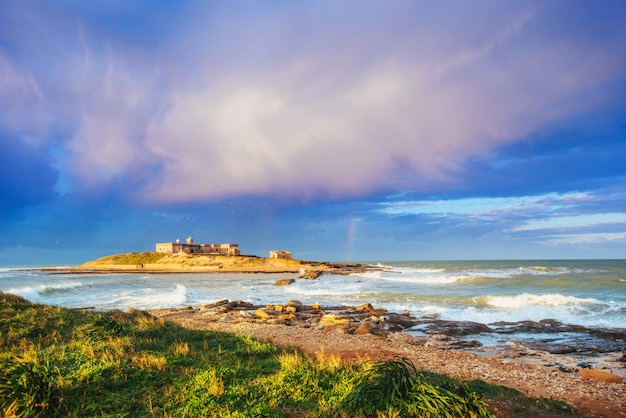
(365, 328)
(260, 313)
(336, 325)
(364, 307)
(328, 318)
(239, 304)
(295, 304)
(311, 275)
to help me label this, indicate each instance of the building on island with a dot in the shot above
(190, 248)
(285, 255)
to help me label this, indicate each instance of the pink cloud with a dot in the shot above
(305, 102)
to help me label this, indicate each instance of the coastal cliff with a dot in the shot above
(188, 263)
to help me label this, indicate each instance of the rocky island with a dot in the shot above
(181, 262)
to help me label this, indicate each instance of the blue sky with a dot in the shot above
(337, 130)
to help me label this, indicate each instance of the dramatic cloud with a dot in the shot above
(304, 102)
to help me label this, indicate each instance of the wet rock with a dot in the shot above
(214, 305)
(311, 274)
(284, 282)
(550, 322)
(446, 342)
(402, 321)
(240, 304)
(365, 328)
(458, 328)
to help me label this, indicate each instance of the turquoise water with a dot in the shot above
(581, 292)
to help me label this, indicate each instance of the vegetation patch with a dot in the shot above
(65, 362)
(131, 258)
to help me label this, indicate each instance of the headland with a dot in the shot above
(181, 262)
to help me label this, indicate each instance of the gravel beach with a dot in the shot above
(596, 393)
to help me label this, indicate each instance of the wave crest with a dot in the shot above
(527, 299)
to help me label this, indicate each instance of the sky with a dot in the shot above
(348, 131)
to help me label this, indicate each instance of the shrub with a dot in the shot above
(396, 388)
(103, 328)
(30, 388)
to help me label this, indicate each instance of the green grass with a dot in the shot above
(64, 362)
(132, 258)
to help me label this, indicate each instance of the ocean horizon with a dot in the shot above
(588, 297)
(579, 292)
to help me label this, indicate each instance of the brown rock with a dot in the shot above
(260, 313)
(328, 318)
(365, 328)
(284, 282)
(214, 305)
(601, 375)
(296, 304)
(311, 275)
(336, 325)
(364, 307)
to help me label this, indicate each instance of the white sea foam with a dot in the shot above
(34, 293)
(151, 298)
(422, 279)
(383, 266)
(526, 299)
(418, 276)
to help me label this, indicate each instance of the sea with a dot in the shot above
(589, 293)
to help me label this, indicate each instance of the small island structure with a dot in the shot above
(281, 254)
(190, 248)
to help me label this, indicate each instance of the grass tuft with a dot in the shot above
(396, 388)
(30, 388)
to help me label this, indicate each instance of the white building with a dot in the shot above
(285, 255)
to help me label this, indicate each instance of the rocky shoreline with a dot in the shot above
(589, 377)
(599, 349)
